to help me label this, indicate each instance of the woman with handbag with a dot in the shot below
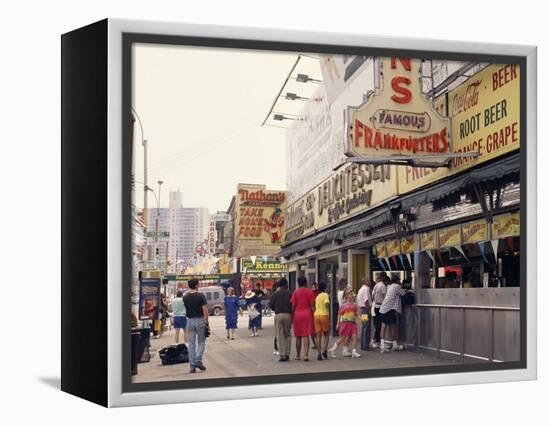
(253, 305)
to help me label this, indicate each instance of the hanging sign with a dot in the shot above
(506, 225)
(473, 232)
(393, 247)
(407, 244)
(449, 237)
(428, 240)
(380, 249)
(397, 119)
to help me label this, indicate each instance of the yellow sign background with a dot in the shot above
(380, 249)
(428, 240)
(475, 231)
(450, 236)
(407, 244)
(470, 105)
(393, 247)
(381, 191)
(506, 225)
(256, 218)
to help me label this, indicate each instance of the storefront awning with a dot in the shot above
(498, 170)
(506, 167)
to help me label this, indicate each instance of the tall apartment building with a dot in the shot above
(180, 229)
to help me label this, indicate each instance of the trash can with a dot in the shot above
(136, 335)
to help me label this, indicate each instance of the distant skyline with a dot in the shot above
(201, 111)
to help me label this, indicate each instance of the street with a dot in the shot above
(253, 356)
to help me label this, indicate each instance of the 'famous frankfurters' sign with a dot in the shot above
(397, 119)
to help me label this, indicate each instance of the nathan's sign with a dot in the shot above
(260, 197)
(398, 119)
(353, 189)
(260, 215)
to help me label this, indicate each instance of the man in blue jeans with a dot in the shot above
(197, 321)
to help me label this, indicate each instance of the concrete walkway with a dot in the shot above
(253, 356)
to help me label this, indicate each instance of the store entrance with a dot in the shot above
(328, 273)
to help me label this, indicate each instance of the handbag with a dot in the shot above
(252, 312)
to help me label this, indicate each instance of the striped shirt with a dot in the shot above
(392, 301)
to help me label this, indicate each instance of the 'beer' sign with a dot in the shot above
(397, 119)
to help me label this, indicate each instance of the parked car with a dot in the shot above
(214, 299)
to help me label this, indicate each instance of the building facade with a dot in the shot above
(180, 230)
(452, 232)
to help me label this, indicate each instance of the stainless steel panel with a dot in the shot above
(490, 297)
(506, 335)
(408, 325)
(477, 332)
(428, 327)
(451, 329)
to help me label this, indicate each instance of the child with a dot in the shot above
(231, 303)
(347, 326)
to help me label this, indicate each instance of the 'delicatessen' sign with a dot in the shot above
(353, 189)
(485, 118)
(397, 119)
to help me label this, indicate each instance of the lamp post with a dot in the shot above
(160, 182)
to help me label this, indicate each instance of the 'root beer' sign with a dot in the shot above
(397, 119)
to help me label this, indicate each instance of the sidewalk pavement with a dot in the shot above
(253, 356)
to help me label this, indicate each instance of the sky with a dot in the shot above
(202, 110)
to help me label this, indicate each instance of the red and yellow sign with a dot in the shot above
(393, 247)
(473, 232)
(428, 240)
(398, 119)
(506, 225)
(407, 244)
(260, 214)
(485, 118)
(380, 249)
(450, 236)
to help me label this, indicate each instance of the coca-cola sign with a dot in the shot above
(463, 101)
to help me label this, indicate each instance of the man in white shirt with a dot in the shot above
(378, 295)
(390, 309)
(364, 301)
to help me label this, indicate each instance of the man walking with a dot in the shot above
(364, 301)
(197, 321)
(378, 295)
(280, 304)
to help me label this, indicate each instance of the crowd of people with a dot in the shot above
(304, 314)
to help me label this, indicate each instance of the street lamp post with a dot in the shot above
(160, 182)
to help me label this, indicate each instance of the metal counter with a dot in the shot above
(476, 324)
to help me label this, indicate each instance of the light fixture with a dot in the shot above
(304, 78)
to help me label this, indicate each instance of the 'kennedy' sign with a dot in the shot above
(397, 119)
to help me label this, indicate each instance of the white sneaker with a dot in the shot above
(252, 334)
(355, 354)
(383, 346)
(375, 345)
(275, 352)
(346, 353)
(331, 353)
(396, 347)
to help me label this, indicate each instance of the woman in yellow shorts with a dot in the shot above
(321, 321)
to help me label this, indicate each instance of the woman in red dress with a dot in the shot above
(302, 302)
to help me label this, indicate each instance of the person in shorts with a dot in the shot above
(390, 308)
(180, 320)
(347, 326)
(321, 320)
